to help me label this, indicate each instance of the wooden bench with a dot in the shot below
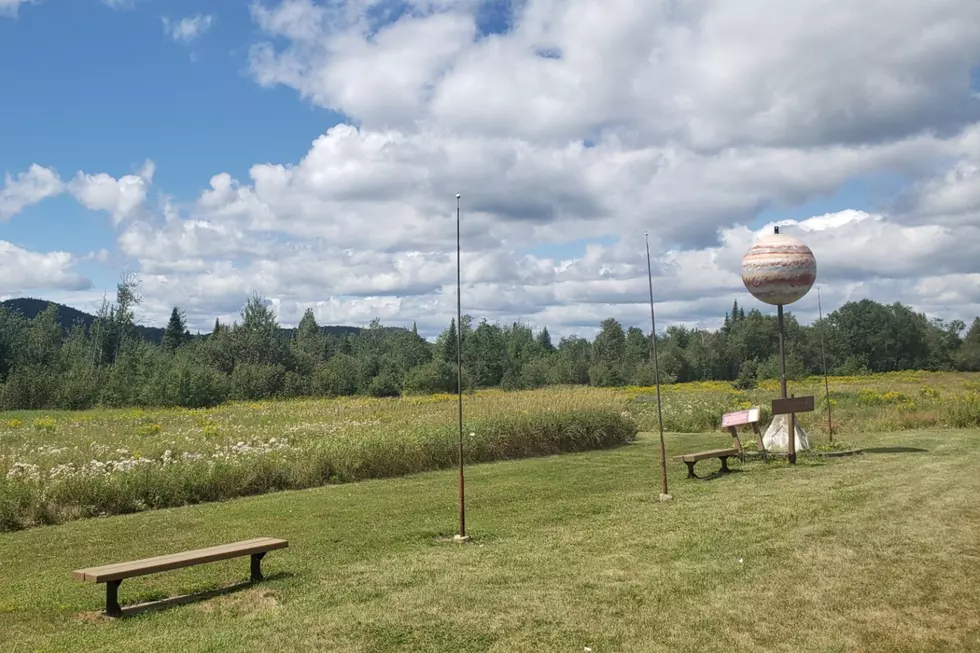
(112, 575)
(730, 422)
(723, 454)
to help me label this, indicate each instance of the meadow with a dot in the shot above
(877, 403)
(60, 466)
(874, 553)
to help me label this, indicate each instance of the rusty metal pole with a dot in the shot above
(664, 495)
(461, 536)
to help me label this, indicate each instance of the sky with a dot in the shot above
(311, 152)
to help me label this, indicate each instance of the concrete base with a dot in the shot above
(461, 538)
(665, 498)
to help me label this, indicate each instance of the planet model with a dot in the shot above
(779, 269)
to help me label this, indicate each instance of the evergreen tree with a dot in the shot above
(176, 333)
(544, 341)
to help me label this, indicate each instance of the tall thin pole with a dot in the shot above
(791, 431)
(656, 372)
(823, 353)
(459, 378)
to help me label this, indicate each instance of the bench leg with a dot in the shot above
(257, 567)
(690, 470)
(724, 465)
(112, 608)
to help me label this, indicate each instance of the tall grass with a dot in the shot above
(50, 472)
(58, 465)
(874, 403)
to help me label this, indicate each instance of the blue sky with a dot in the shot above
(98, 89)
(104, 89)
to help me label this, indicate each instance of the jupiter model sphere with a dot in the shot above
(779, 269)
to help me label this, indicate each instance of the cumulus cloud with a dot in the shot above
(122, 198)
(570, 128)
(188, 29)
(27, 188)
(22, 271)
(708, 75)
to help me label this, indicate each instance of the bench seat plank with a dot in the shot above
(701, 455)
(119, 571)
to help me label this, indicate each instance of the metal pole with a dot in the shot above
(791, 451)
(782, 386)
(459, 379)
(823, 353)
(656, 372)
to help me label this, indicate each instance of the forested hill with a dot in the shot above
(30, 307)
(63, 358)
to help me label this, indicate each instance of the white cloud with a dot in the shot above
(27, 188)
(122, 198)
(682, 119)
(23, 271)
(188, 29)
(708, 75)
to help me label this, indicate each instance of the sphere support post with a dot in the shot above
(782, 385)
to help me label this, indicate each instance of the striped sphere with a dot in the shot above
(779, 269)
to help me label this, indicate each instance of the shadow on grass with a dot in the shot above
(895, 450)
(717, 474)
(195, 597)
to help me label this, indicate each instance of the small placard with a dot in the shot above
(739, 417)
(792, 405)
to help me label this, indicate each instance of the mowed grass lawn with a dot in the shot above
(878, 552)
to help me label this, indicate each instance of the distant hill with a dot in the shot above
(30, 307)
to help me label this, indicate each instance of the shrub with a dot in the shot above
(337, 378)
(251, 381)
(435, 376)
(384, 385)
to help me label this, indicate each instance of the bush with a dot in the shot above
(337, 378)
(435, 376)
(747, 376)
(384, 385)
(256, 380)
(187, 384)
(296, 385)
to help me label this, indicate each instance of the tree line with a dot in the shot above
(108, 361)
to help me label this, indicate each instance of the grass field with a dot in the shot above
(877, 552)
(60, 466)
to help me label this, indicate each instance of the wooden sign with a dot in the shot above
(792, 405)
(740, 417)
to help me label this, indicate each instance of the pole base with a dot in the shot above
(461, 538)
(664, 498)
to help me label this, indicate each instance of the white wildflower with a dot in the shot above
(24, 470)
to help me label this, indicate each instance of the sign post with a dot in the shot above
(733, 420)
(790, 406)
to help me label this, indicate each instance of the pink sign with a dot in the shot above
(739, 417)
